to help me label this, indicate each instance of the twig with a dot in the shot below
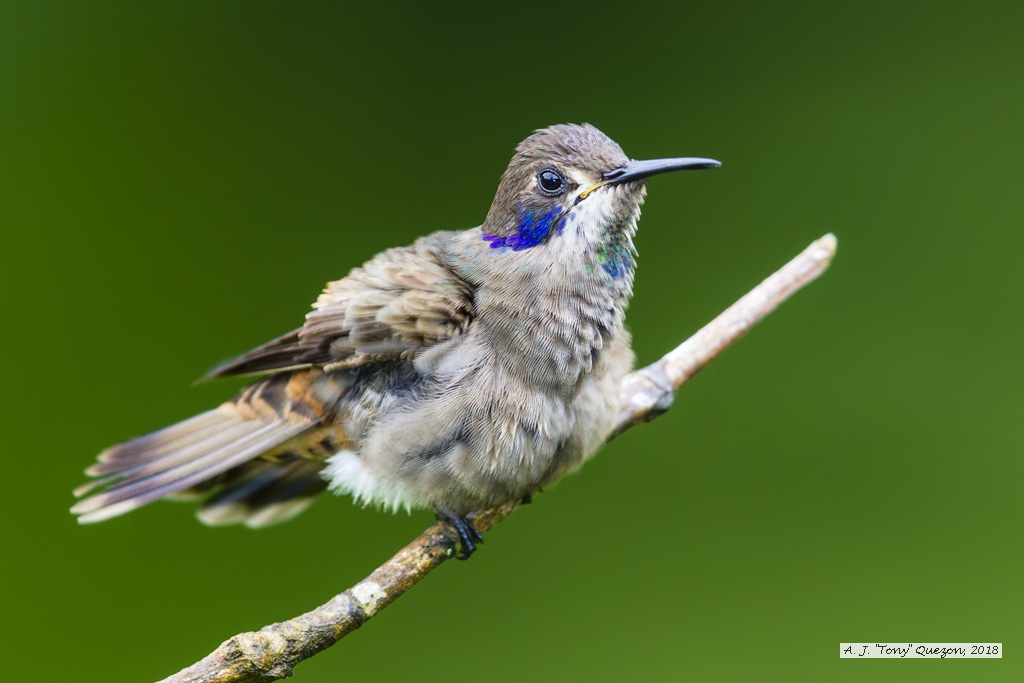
(272, 652)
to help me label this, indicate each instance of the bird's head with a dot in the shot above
(573, 185)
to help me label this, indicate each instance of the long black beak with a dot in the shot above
(635, 170)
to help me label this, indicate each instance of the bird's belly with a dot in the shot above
(482, 439)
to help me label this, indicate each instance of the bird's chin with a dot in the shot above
(610, 204)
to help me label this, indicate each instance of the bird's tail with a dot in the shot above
(264, 492)
(192, 454)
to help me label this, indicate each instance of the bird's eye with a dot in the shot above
(550, 181)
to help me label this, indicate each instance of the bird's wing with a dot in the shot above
(401, 301)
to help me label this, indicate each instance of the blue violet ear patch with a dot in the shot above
(534, 227)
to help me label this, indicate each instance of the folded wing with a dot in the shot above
(398, 303)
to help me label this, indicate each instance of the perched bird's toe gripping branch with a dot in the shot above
(469, 535)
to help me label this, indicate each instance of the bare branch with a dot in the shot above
(272, 652)
(649, 391)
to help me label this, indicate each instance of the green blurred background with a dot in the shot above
(178, 181)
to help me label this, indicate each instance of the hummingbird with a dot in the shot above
(467, 370)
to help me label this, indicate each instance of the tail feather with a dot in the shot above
(93, 485)
(264, 493)
(159, 459)
(238, 441)
(173, 436)
(176, 458)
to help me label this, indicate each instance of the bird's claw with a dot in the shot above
(469, 536)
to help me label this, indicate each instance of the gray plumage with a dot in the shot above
(464, 371)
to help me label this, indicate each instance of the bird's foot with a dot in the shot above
(469, 537)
